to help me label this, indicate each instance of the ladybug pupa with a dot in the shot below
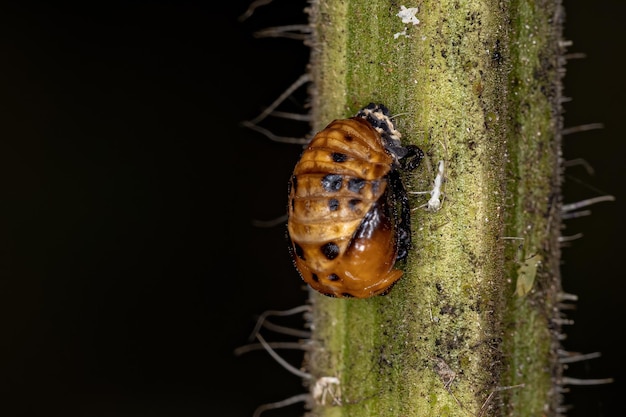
(348, 211)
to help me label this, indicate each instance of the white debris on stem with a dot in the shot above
(407, 15)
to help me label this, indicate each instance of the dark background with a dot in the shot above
(129, 267)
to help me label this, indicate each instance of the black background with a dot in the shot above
(130, 269)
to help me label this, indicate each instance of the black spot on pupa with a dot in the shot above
(299, 251)
(356, 184)
(348, 137)
(374, 122)
(353, 203)
(315, 278)
(334, 277)
(339, 157)
(330, 250)
(333, 204)
(332, 182)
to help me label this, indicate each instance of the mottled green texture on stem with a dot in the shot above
(450, 337)
(534, 181)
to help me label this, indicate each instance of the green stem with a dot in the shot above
(475, 84)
